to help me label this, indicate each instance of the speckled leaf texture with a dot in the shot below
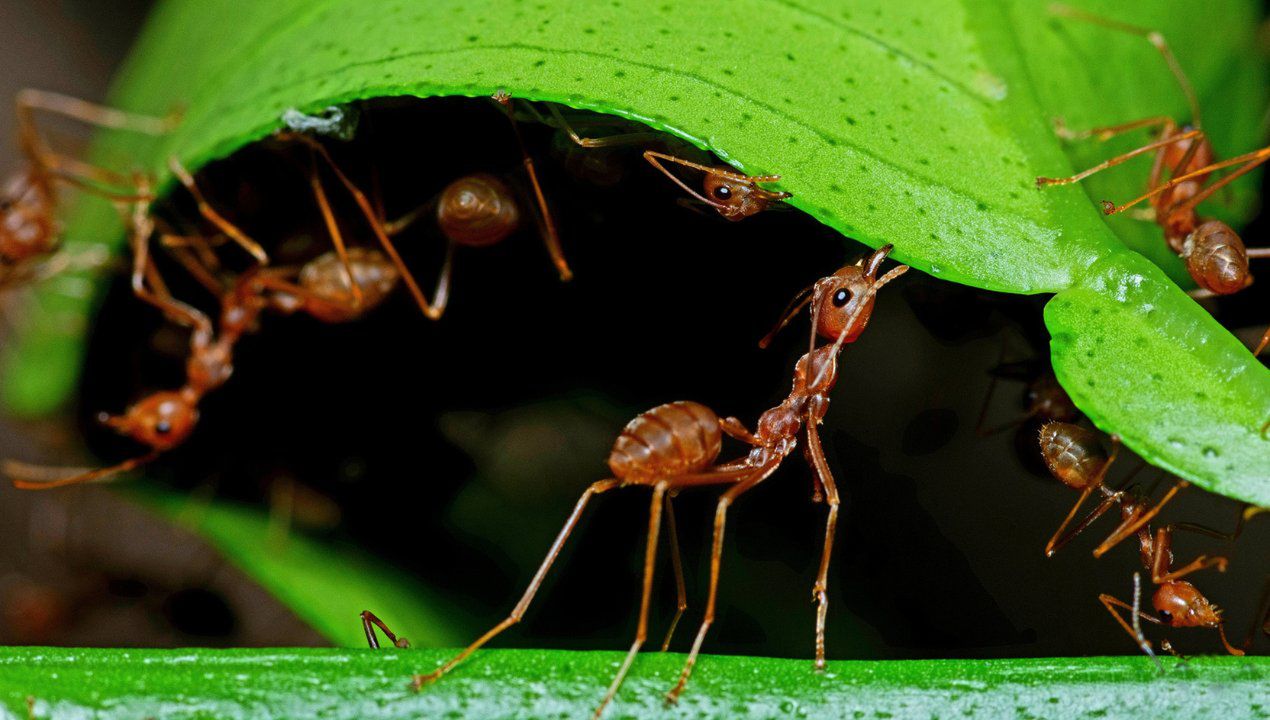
(919, 123)
(523, 684)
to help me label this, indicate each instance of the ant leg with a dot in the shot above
(987, 398)
(754, 477)
(34, 477)
(1262, 617)
(29, 100)
(1131, 526)
(76, 172)
(1112, 603)
(820, 592)
(676, 562)
(1107, 132)
(432, 312)
(1112, 162)
(546, 225)
(650, 560)
(1058, 541)
(207, 211)
(181, 250)
(1247, 162)
(1152, 36)
(518, 612)
(1265, 340)
(734, 428)
(370, 622)
(333, 230)
(393, 228)
(140, 230)
(561, 123)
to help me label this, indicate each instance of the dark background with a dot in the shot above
(455, 449)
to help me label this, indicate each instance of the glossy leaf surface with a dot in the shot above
(525, 684)
(921, 124)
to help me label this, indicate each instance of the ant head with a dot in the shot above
(1074, 455)
(477, 210)
(1181, 604)
(1216, 258)
(161, 421)
(843, 302)
(736, 197)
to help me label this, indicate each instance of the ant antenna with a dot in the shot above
(1137, 622)
(546, 224)
(791, 311)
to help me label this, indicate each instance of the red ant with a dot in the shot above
(1214, 253)
(1078, 460)
(676, 446)
(28, 229)
(476, 210)
(320, 288)
(733, 195)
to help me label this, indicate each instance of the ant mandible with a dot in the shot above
(28, 228)
(1077, 459)
(1215, 255)
(329, 288)
(733, 195)
(675, 446)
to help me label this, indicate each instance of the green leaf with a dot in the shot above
(326, 584)
(1107, 328)
(527, 684)
(918, 123)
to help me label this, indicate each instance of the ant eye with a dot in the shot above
(723, 192)
(1166, 616)
(163, 427)
(841, 298)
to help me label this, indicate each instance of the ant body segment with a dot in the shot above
(1077, 459)
(1215, 256)
(676, 446)
(475, 210)
(29, 230)
(337, 286)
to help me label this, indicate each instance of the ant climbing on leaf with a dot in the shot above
(733, 195)
(476, 210)
(1077, 459)
(1215, 256)
(337, 286)
(29, 231)
(676, 446)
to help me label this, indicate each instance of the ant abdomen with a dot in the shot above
(326, 277)
(671, 439)
(1216, 258)
(477, 210)
(1073, 454)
